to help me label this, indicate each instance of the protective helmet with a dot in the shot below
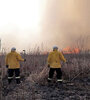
(55, 48)
(13, 49)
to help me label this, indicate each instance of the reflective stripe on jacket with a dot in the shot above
(54, 59)
(12, 60)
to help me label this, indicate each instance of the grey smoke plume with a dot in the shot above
(63, 23)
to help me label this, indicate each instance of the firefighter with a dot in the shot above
(12, 63)
(54, 59)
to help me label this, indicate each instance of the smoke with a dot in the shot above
(65, 21)
(61, 22)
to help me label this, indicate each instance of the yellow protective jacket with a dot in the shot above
(12, 60)
(54, 59)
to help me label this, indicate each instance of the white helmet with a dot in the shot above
(13, 49)
(55, 48)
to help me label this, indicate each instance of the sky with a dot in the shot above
(27, 24)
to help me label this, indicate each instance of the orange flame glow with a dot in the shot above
(69, 50)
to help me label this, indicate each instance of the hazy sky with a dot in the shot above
(27, 23)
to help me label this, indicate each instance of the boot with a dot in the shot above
(18, 81)
(9, 81)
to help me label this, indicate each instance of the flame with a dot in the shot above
(69, 50)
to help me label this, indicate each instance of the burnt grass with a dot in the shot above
(28, 90)
(33, 87)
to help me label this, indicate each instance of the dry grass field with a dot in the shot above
(34, 74)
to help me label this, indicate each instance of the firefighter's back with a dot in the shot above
(12, 60)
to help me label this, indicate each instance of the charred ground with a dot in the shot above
(34, 86)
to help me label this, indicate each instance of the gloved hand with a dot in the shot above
(6, 66)
(48, 66)
(24, 60)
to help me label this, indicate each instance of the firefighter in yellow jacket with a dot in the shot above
(54, 59)
(12, 63)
